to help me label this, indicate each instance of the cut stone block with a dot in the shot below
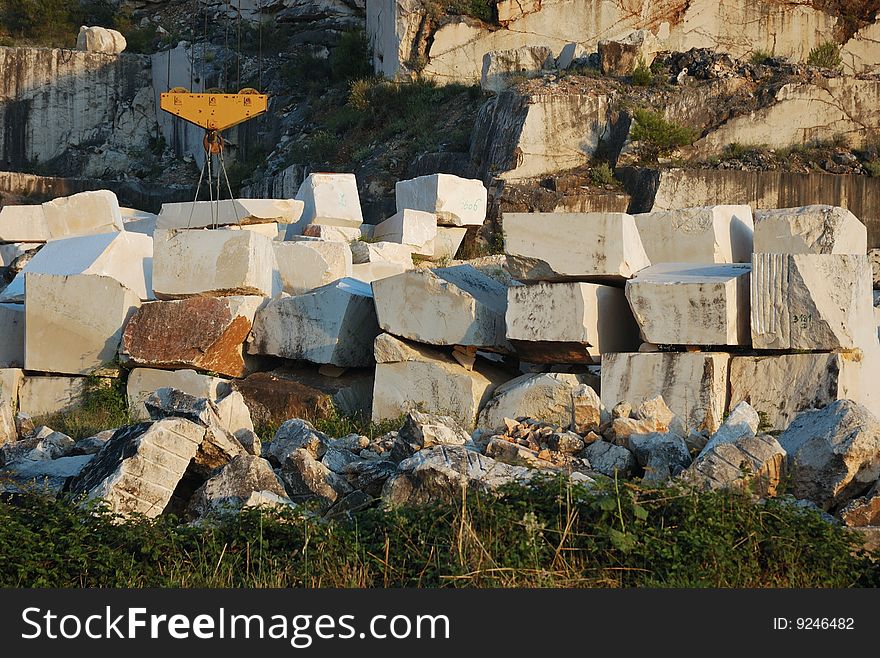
(23, 224)
(542, 396)
(569, 322)
(382, 252)
(335, 324)
(82, 214)
(456, 201)
(809, 230)
(811, 302)
(415, 228)
(11, 335)
(40, 396)
(693, 384)
(781, 386)
(409, 376)
(143, 382)
(73, 324)
(330, 199)
(212, 262)
(330, 233)
(205, 333)
(369, 272)
(126, 257)
(447, 243)
(710, 234)
(691, 304)
(599, 247)
(141, 466)
(306, 265)
(445, 306)
(229, 212)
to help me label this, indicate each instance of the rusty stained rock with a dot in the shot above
(206, 333)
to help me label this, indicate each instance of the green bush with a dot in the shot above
(873, 168)
(602, 174)
(826, 55)
(642, 76)
(657, 136)
(351, 58)
(760, 57)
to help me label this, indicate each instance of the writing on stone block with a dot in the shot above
(470, 205)
(342, 199)
(805, 320)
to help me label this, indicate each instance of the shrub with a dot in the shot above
(826, 56)
(657, 136)
(760, 57)
(351, 58)
(642, 75)
(602, 174)
(873, 168)
(483, 10)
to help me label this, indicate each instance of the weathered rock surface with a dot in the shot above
(335, 324)
(834, 453)
(229, 212)
(599, 247)
(100, 40)
(445, 306)
(709, 234)
(140, 467)
(741, 423)
(142, 382)
(212, 262)
(330, 199)
(811, 302)
(415, 228)
(588, 412)
(455, 201)
(690, 304)
(755, 464)
(693, 384)
(12, 331)
(295, 434)
(610, 459)
(39, 396)
(814, 229)
(48, 475)
(500, 65)
(234, 484)
(663, 456)
(382, 252)
(422, 430)
(73, 324)
(863, 511)
(84, 213)
(543, 396)
(306, 265)
(623, 55)
(205, 333)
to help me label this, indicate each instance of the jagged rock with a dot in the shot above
(815, 229)
(335, 324)
(544, 396)
(122, 256)
(445, 306)
(569, 322)
(100, 40)
(693, 384)
(423, 430)
(445, 472)
(692, 304)
(249, 441)
(588, 411)
(382, 252)
(623, 55)
(73, 324)
(500, 65)
(414, 228)
(295, 434)
(142, 382)
(233, 486)
(708, 234)
(331, 200)
(663, 456)
(235, 212)
(750, 463)
(46, 474)
(511, 453)
(834, 453)
(185, 263)
(306, 265)
(336, 459)
(233, 414)
(140, 467)
(863, 511)
(93, 444)
(455, 201)
(369, 476)
(206, 333)
(811, 302)
(741, 423)
(610, 459)
(305, 478)
(45, 445)
(597, 247)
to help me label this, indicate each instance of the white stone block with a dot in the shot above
(143, 382)
(381, 252)
(693, 384)
(212, 262)
(415, 228)
(325, 232)
(369, 272)
(40, 396)
(306, 265)
(710, 234)
(11, 336)
(456, 201)
(85, 213)
(139, 221)
(809, 230)
(691, 304)
(599, 247)
(95, 39)
(446, 306)
(330, 199)
(334, 324)
(229, 212)
(23, 224)
(447, 243)
(569, 322)
(126, 257)
(73, 324)
(811, 302)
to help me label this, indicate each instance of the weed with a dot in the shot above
(760, 57)
(825, 55)
(873, 168)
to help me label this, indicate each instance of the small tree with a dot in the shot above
(657, 136)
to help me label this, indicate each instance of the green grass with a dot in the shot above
(103, 405)
(551, 535)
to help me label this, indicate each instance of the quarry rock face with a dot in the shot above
(446, 306)
(810, 230)
(73, 324)
(623, 55)
(455, 201)
(599, 247)
(100, 40)
(710, 234)
(689, 304)
(569, 322)
(212, 262)
(500, 65)
(205, 333)
(306, 265)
